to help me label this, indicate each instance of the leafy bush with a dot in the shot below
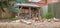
(48, 16)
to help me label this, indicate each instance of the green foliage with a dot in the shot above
(48, 16)
(21, 1)
(2, 0)
(6, 4)
(12, 19)
(3, 3)
(12, 9)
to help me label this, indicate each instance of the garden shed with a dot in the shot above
(28, 10)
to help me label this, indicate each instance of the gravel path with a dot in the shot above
(6, 24)
(21, 25)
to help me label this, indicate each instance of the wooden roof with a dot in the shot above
(27, 5)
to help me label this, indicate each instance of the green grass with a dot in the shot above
(13, 19)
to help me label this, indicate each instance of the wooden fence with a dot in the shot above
(54, 8)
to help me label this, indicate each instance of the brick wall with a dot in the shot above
(40, 3)
(51, 1)
(44, 2)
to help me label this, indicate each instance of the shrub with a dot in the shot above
(48, 16)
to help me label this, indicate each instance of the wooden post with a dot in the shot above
(39, 14)
(19, 11)
(30, 11)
